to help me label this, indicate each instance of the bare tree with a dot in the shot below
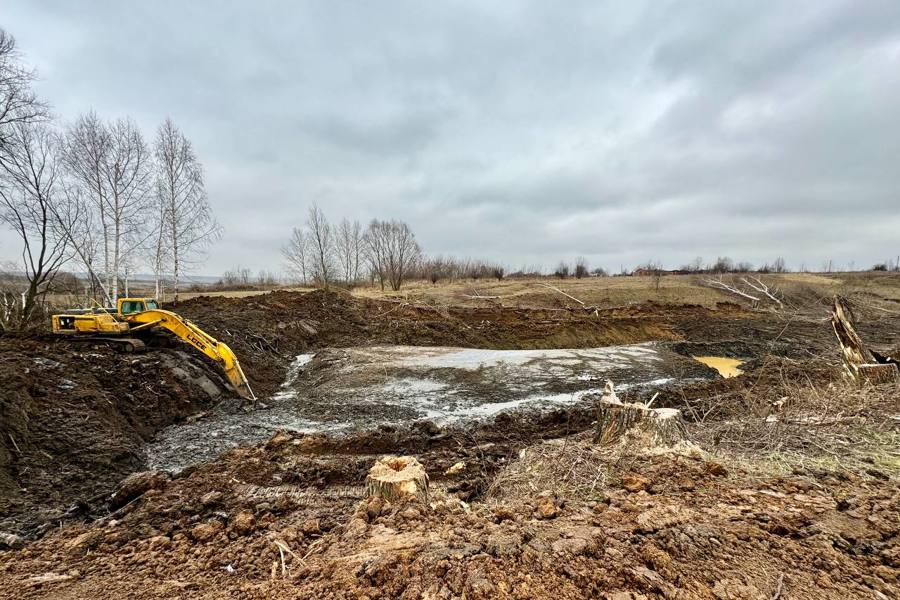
(128, 176)
(28, 184)
(74, 219)
(187, 217)
(86, 149)
(160, 249)
(296, 255)
(112, 164)
(779, 266)
(349, 249)
(392, 250)
(266, 278)
(321, 246)
(498, 271)
(581, 268)
(562, 270)
(18, 103)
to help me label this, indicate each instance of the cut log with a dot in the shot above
(397, 478)
(614, 420)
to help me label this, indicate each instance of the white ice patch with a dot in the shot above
(296, 367)
(489, 410)
(473, 359)
(409, 386)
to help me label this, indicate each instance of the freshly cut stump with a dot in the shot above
(615, 419)
(397, 478)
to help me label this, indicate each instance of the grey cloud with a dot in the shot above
(526, 132)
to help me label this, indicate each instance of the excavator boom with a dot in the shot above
(199, 339)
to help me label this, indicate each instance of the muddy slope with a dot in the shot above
(73, 417)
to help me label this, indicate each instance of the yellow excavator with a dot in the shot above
(136, 318)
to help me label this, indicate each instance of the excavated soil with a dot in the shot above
(288, 518)
(75, 416)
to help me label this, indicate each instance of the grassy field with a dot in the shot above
(879, 288)
(619, 291)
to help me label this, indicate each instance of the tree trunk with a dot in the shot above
(115, 286)
(398, 478)
(29, 303)
(176, 259)
(860, 363)
(614, 420)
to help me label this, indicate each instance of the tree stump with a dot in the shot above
(397, 478)
(860, 363)
(615, 419)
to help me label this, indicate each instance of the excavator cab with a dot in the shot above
(130, 306)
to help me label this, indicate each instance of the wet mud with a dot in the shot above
(344, 391)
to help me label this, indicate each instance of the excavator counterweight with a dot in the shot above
(134, 315)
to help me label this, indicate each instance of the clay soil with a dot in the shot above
(522, 506)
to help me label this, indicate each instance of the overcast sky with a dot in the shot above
(526, 132)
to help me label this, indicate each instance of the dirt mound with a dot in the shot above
(288, 520)
(73, 417)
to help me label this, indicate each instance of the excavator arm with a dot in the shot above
(200, 340)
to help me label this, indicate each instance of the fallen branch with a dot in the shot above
(729, 288)
(13, 440)
(762, 288)
(478, 296)
(556, 289)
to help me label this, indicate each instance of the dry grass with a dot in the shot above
(798, 288)
(798, 420)
(533, 293)
(575, 467)
(793, 417)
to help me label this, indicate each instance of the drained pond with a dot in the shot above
(350, 389)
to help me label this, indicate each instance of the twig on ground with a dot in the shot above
(778, 588)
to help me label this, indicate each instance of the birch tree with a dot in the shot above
(75, 221)
(349, 246)
(85, 154)
(18, 102)
(295, 254)
(321, 246)
(127, 173)
(187, 218)
(28, 186)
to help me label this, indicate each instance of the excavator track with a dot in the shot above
(126, 345)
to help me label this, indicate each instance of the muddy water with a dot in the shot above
(727, 367)
(340, 390)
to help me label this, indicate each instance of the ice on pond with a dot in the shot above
(364, 387)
